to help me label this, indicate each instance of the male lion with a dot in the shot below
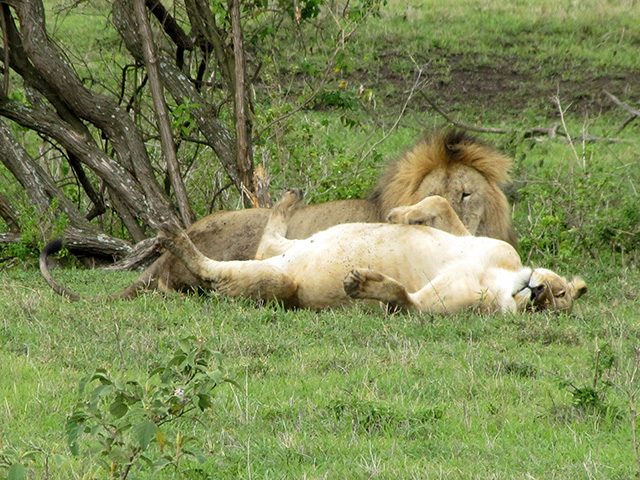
(451, 164)
(406, 265)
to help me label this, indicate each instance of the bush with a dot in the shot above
(126, 422)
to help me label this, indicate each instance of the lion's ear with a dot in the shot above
(578, 287)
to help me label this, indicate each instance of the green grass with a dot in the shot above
(356, 393)
(347, 393)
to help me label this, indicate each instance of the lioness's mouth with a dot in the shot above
(525, 286)
(535, 300)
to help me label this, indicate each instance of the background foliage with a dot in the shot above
(355, 393)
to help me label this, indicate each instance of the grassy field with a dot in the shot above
(358, 393)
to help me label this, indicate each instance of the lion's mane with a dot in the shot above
(402, 177)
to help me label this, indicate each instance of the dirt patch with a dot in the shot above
(503, 85)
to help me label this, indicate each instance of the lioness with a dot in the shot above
(404, 264)
(451, 164)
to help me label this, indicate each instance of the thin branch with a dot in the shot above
(634, 113)
(162, 114)
(458, 124)
(244, 158)
(343, 37)
(400, 115)
(631, 110)
(556, 100)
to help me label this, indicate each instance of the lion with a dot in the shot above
(452, 164)
(426, 260)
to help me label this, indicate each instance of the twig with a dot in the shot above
(631, 110)
(556, 100)
(551, 132)
(461, 125)
(634, 413)
(400, 115)
(634, 113)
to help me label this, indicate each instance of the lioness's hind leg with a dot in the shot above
(364, 283)
(250, 278)
(434, 211)
(174, 239)
(273, 241)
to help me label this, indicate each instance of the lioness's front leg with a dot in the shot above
(443, 295)
(252, 278)
(273, 241)
(434, 211)
(364, 283)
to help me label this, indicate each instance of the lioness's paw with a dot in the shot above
(169, 230)
(358, 281)
(289, 200)
(411, 216)
(397, 215)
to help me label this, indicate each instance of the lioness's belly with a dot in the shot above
(413, 255)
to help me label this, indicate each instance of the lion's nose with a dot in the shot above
(536, 291)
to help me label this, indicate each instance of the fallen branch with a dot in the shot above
(455, 123)
(631, 110)
(141, 256)
(634, 113)
(552, 132)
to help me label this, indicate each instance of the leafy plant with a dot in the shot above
(570, 210)
(126, 421)
(183, 122)
(592, 398)
(14, 463)
(35, 229)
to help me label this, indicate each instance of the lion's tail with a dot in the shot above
(148, 280)
(49, 249)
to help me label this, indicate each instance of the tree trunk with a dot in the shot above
(162, 114)
(242, 122)
(99, 110)
(9, 215)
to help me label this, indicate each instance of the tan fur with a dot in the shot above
(411, 267)
(448, 164)
(448, 156)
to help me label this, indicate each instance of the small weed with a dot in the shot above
(377, 417)
(14, 462)
(592, 398)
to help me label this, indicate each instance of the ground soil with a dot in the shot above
(504, 85)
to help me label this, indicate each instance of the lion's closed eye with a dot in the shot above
(560, 294)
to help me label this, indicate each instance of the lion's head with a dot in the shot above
(458, 167)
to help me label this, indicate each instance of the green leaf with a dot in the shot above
(145, 432)
(97, 394)
(118, 407)
(16, 472)
(194, 452)
(204, 402)
(118, 456)
(161, 438)
(161, 463)
(74, 426)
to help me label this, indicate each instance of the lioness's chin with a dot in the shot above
(523, 300)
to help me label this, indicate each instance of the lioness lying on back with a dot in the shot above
(406, 264)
